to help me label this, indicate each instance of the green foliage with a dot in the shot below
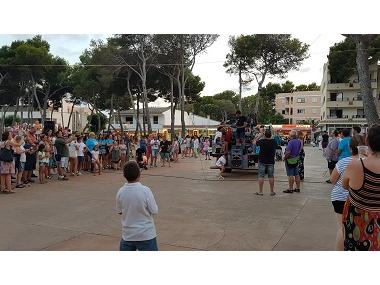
(342, 60)
(219, 107)
(93, 122)
(8, 121)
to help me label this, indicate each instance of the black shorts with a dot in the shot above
(58, 158)
(80, 159)
(338, 206)
(331, 164)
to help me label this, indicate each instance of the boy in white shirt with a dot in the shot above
(137, 206)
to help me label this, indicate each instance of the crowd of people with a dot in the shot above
(29, 154)
(353, 161)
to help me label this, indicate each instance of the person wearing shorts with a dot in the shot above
(155, 144)
(339, 195)
(266, 161)
(165, 153)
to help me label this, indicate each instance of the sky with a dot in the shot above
(209, 65)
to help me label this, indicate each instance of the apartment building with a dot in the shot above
(298, 107)
(342, 105)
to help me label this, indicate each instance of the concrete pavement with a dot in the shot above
(196, 211)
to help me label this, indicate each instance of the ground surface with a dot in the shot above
(196, 211)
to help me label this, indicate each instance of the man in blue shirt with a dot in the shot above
(91, 142)
(344, 145)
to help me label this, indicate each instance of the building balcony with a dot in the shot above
(345, 103)
(349, 86)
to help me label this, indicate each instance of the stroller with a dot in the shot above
(278, 155)
(141, 159)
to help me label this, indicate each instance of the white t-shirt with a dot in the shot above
(137, 206)
(95, 155)
(196, 143)
(155, 143)
(217, 135)
(73, 149)
(221, 161)
(22, 155)
(81, 147)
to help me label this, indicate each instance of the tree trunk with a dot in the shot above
(71, 114)
(138, 116)
(88, 123)
(99, 121)
(111, 114)
(62, 121)
(138, 125)
(16, 110)
(120, 122)
(46, 98)
(144, 117)
(182, 93)
(172, 110)
(36, 97)
(145, 97)
(362, 43)
(240, 89)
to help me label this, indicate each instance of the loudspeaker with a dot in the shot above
(49, 125)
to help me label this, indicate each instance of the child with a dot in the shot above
(123, 153)
(43, 159)
(95, 160)
(206, 148)
(82, 149)
(115, 156)
(136, 205)
(220, 163)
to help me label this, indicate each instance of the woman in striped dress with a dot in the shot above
(361, 214)
(339, 195)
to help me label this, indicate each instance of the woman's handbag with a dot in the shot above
(6, 155)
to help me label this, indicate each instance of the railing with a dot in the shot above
(345, 99)
(346, 117)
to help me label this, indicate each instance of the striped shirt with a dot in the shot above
(367, 197)
(338, 193)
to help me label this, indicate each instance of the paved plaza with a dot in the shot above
(196, 211)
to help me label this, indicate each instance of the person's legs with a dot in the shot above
(8, 182)
(163, 159)
(147, 245)
(291, 182)
(2, 182)
(261, 177)
(168, 158)
(339, 236)
(127, 245)
(270, 168)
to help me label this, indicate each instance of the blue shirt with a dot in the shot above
(90, 143)
(344, 148)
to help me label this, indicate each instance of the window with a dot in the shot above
(301, 100)
(336, 113)
(359, 96)
(336, 96)
(360, 112)
(155, 120)
(314, 99)
(314, 111)
(283, 112)
(129, 119)
(300, 111)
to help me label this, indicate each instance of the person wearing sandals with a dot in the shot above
(266, 161)
(361, 213)
(292, 156)
(7, 168)
(339, 195)
(20, 159)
